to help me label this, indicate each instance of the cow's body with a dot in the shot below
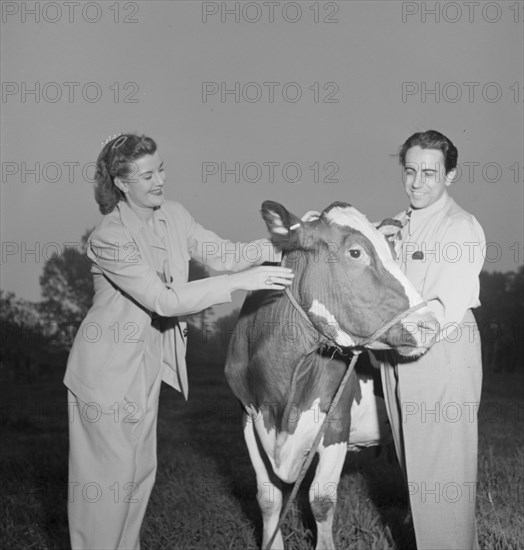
(282, 368)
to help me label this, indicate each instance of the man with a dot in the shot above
(433, 401)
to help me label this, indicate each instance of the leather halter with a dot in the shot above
(379, 332)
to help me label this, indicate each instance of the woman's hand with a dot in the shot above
(261, 278)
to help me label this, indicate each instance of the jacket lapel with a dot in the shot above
(145, 236)
(153, 250)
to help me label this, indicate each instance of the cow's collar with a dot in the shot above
(296, 305)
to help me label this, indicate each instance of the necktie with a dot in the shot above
(398, 236)
(406, 219)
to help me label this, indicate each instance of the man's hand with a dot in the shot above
(310, 216)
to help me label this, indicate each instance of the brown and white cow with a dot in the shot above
(283, 370)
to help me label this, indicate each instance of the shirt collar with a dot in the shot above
(132, 221)
(418, 216)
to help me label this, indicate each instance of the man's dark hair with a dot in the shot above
(431, 139)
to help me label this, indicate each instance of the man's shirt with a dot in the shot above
(442, 254)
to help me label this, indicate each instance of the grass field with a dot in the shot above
(205, 492)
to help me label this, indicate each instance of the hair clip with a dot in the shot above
(295, 226)
(119, 142)
(110, 138)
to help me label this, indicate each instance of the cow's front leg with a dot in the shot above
(269, 496)
(323, 491)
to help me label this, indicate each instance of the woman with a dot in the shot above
(132, 339)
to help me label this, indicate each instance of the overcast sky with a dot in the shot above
(326, 93)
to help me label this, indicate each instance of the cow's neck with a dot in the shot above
(301, 305)
(299, 330)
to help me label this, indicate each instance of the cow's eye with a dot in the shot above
(358, 254)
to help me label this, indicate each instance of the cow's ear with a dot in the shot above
(281, 223)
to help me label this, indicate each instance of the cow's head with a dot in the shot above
(347, 280)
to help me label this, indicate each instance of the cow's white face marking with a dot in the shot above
(320, 310)
(351, 217)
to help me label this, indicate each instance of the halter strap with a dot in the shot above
(374, 336)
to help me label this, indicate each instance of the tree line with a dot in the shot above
(36, 335)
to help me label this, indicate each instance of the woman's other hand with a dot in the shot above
(261, 278)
